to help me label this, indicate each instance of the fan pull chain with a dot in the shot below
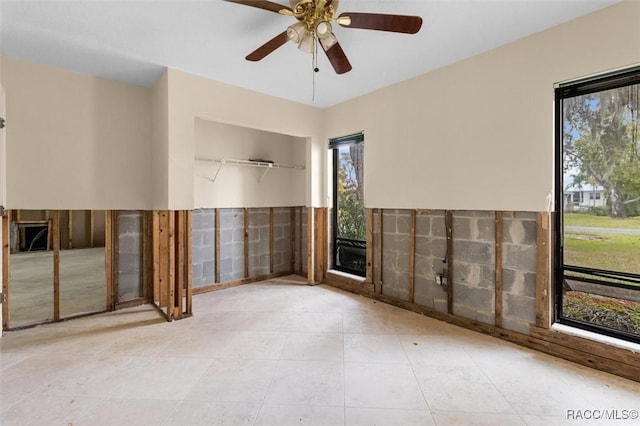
(314, 67)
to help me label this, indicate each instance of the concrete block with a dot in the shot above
(130, 243)
(424, 266)
(519, 257)
(515, 324)
(423, 224)
(438, 247)
(487, 276)
(396, 243)
(226, 236)
(403, 223)
(259, 217)
(238, 234)
(519, 282)
(128, 262)
(196, 270)
(196, 238)
(202, 219)
(463, 273)
(479, 299)
(486, 229)
(520, 232)
(462, 228)
(438, 228)
(129, 285)
(209, 269)
(519, 307)
(389, 223)
(130, 224)
(226, 266)
(441, 304)
(202, 254)
(525, 216)
(473, 252)
(254, 235)
(209, 237)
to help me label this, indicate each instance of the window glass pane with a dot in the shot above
(601, 169)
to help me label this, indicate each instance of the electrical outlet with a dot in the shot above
(441, 280)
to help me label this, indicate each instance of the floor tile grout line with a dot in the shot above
(415, 376)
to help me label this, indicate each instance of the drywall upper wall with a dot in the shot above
(242, 186)
(479, 134)
(160, 142)
(75, 141)
(192, 97)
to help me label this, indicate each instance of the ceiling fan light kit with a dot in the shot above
(314, 27)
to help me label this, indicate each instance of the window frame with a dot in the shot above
(334, 145)
(609, 81)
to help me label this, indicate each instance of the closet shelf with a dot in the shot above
(267, 165)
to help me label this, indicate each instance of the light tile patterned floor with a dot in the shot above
(282, 353)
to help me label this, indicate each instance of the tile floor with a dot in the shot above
(282, 353)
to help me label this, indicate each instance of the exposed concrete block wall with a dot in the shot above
(231, 244)
(431, 249)
(129, 272)
(519, 271)
(259, 242)
(395, 253)
(282, 240)
(474, 265)
(203, 247)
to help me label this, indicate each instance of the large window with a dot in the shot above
(349, 218)
(598, 205)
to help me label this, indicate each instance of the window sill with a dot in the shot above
(346, 275)
(589, 335)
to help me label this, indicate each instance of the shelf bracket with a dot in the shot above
(265, 173)
(217, 171)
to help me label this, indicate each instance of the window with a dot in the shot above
(597, 280)
(349, 218)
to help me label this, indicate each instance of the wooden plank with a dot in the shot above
(235, 283)
(246, 242)
(310, 259)
(147, 283)
(271, 242)
(449, 230)
(299, 251)
(369, 251)
(179, 263)
(498, 266)
(216, 254)
(70, 229)
(115, 226)
(352, 283)
(189, 260)
(380, 253)
(56, 264)
(108, 260)
(170, 256)
(6, 219)
(542, 270)
(292, 239)
(412, 255)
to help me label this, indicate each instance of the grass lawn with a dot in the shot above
(579, 219)
(603, 251)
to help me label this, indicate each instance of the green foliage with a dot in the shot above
(617, 314)
(352, 221)
(601, 141)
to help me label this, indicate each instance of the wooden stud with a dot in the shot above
(6, 219)
(216, 255)
(146, 270)
(115, 226)
(235, 283)
(310, 265)
(171, 273)
(449, 230)
(380, 253)
(56, 264)
(299, 251)
(179, 263)
(498, 265)
(543, 307)
(292, 239)
(158, 268)
(246, 242)
(271, 242)
(91, 228)
(189, 260)
(412, 255)
(108, 260)
(70, 229)
(369, 251)
(320, 233)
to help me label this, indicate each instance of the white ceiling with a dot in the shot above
(133, 41)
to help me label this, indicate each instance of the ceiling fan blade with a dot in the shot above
(338, 58)
(265, 5)
(268, 47)
(381, 22)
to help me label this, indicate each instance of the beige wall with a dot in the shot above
(160, 143)
(77, 141)
(479, 134)
(242, 186)
(192, 97)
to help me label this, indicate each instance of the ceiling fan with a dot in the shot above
(314, 27)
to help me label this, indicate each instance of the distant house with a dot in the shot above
(583, 197)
